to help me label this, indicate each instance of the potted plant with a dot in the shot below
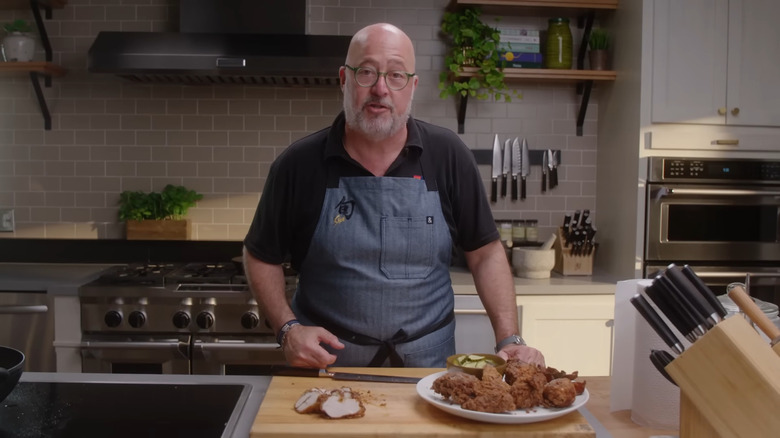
(18, 45)
(599, 43)
(472, 44)
(157, 216)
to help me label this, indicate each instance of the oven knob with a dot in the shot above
(113, 318)
(181, 319)
(250, 320)
(136, 319)
(205, 320)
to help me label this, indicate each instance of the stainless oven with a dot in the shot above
(719, 216)
(135, 355)
(231, 355)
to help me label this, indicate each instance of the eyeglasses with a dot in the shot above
(367, 77)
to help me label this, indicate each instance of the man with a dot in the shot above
(368, 210)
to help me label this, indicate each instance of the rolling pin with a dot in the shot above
(751, 309)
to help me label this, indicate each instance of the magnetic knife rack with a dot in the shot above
(485, 156)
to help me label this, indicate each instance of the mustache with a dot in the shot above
(379, 101)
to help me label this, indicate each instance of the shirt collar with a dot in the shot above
(335, 142)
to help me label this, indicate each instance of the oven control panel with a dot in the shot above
(714, 170)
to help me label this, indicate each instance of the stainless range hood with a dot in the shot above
(232, 46)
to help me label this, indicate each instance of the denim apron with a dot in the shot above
(377, 274)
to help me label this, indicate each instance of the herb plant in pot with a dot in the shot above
(157, 216)
(472, 44)
(18, 45)
(599, 43)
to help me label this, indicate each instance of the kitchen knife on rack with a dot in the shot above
(506, 167)
(552, 163)
(516, 166)
(656, 323)
(525, 167)
(544, 172)
(697, 299)
(496, 169)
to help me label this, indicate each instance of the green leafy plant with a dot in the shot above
(18, 25)
(472, 44)
(172, 203)
(599, 39)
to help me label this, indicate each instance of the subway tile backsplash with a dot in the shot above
(109, 134)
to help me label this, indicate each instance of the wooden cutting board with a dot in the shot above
(392, 410)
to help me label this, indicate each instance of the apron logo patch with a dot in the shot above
(429, 220)
(344, 210)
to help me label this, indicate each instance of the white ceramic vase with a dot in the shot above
(18, 47)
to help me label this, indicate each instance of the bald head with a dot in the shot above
(381, 41)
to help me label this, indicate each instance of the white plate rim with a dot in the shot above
(520, 416)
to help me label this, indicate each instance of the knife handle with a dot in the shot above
(672, 312)
(494, 190)
(657, 324)
(687, 310)
(514, 188)
(522, 188)
(503, 186)
(705, 290)
(751, 309)
(544, 180)
(683, 284)
(554, 177)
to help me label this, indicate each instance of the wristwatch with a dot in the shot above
(513, 339)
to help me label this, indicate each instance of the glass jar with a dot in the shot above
(532, 230)
(505, 232)
(559, 44)
(518, 232)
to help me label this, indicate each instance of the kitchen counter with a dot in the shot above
(400, 412)
(241, 418)
(557, 284)
(54, 278)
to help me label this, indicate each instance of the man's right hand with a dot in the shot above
(302, 346)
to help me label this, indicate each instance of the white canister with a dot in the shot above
(18, 47)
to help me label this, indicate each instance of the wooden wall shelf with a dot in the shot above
(24, 4)
(45, 68)
(543, 74)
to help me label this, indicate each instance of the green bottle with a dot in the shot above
(558, 49)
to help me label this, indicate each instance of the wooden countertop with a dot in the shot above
(412, 416)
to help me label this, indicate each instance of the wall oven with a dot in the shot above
(719, 216)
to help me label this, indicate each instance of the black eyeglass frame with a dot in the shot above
(380, 74)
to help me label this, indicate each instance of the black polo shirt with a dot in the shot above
(292, 198)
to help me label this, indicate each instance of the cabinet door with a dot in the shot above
(574, 332)
(754, 63)
(689, 61)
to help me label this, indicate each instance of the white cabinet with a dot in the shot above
(473, 331)
(714, 73)
(574, 332)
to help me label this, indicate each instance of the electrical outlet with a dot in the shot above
(6, 219)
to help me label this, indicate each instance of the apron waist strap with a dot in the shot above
(387, 347)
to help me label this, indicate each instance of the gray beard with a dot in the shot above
(378, 128)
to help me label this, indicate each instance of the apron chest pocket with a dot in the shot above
(407, 247)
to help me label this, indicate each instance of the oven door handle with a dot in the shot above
(234, 346)
(15, 310)
(665, 191)
(121, 345)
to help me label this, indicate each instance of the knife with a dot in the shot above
(661, 359)
(525, 167)
(683, 284)
(672, 312)
(687, 310)
(516, 166)
(553, 166)
(314, 372)
(496, 170)
(656, 323)
(544, 172)
(506, 167)
(705, 291)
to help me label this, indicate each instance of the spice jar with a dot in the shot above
(531, 230)
(559, 44)
(505, 232)
(518, 232)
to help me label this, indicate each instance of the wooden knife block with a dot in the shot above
(567, 263)
(729, 382)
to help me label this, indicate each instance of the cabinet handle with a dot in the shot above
(735, 111)
(727, 142)
(722, 111)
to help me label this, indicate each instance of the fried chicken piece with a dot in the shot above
(490, 399)
(458, 387)
(529, 392)
(517, 370)
(559, 393)
(553, 374)
(342, 403)
(579, 387)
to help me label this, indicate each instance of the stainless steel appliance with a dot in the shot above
(27, 324)
(197, 318)
(719, 216)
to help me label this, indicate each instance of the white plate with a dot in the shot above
(519, 416)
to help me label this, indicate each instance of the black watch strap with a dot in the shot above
(513, 339)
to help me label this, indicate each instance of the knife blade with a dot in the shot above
(506, 166)
(496, 170)
(544, 172)
(314, 372)
(553, 169)
(516, 166)
(525, 167)
(656, 323)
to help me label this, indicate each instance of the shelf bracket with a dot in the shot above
(464, 100)
(588, 85)
(41, 100)
(36, 10)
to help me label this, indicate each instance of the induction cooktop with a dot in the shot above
(95, 409)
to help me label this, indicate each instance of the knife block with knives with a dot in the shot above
(569, 260)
